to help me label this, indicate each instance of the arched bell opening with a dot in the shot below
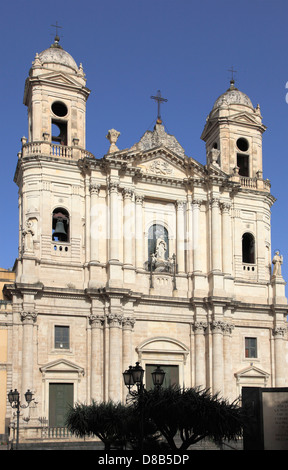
(60, 225)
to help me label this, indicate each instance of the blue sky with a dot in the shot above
(131, 48)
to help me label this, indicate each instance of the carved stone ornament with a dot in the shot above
(113, 187)
(112, 136)
(115, 320)
(96, 321)
(94, 187)
(28, 316)
(128, 323)
(199, 326)
(128, 193)
(279, 332)
(160, 167)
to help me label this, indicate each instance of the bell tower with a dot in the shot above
(55, 95)
(51, 214)
(233, 134)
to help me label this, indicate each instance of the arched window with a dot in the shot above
(248, 248)
(157, 233)
(60, 225)
(59, 126)
(243, 157)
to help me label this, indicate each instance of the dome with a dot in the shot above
(55, 54)
(233, 96)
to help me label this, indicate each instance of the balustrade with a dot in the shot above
(54, 150)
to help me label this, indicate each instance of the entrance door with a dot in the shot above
(60, 398)
(171, 375)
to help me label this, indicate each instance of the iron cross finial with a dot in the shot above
(232, 72)
(56, 26)
(159, 100)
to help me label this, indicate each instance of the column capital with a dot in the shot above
(217, 326)
(279, 332)
(96, 320)
(128, 193)
(113, 187)
(199, 327)
(94, 187)
(180, 204)
(228, 328)
(139, 198)
(128, 323)
(214, 202)
(225, 207)
(196, 202)
(28, 316)
(114, 320)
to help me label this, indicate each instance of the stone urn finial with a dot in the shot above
(112, 136)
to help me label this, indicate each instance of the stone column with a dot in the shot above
(128, 325)
(217, 356)
(228, 377)
(128, 226)
(226, 239)
(94, 221)
(97, 322)
(115, 357)
(215, 235)
(114, 225)
(180, 236)
(279, 333)
(196, 242)
(139, 235)
(28, 319)
(127, 359)
(87, 221)
(199, 328)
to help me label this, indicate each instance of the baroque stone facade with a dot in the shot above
(141, 255)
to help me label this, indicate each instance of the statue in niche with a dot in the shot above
(28, 239)
(158, 259)
(277, 261)
(161, 249)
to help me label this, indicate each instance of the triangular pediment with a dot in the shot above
(162, 163)
(159, 162)
(60, 78)
(244, 118)
(252, 372)
(61, 366)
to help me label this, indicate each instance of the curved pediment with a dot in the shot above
(163, 345)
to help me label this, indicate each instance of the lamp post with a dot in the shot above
(134, 376)
(14, 400)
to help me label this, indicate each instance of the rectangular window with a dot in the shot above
(171, 375)
(251, 347)
(62, 337)
(243, 164)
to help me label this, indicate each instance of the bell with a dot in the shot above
(60, 232)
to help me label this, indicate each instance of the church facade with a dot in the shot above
(142, 255)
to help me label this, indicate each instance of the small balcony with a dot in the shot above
(44, 148)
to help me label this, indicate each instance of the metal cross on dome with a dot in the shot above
(159, 100)
(56, 26)
(232, 73)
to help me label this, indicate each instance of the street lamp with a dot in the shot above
(158, 376)
(134, 376)
(14, 400)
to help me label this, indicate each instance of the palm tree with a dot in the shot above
(192, 414)
(107, 421)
